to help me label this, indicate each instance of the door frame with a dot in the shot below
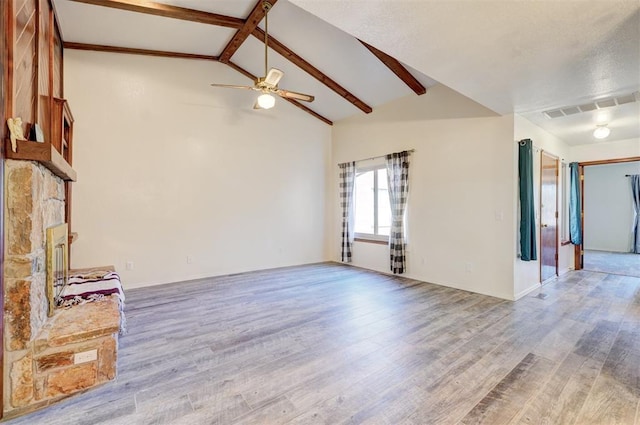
(557, 160)
(578, 253)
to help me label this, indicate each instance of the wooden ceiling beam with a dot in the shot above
(312, 70)
(397, 68)
(250, 24)
(168, 11)
(244, 27)
(291, 101)
(133, 51)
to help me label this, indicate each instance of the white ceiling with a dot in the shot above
(512, 56)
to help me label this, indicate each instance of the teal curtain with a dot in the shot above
(527, 208)
(575, 209)
(635, 194)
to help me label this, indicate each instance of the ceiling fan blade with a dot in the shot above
(230, 86)
(293, 95)
(273, 77)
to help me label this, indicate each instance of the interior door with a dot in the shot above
(548, 216)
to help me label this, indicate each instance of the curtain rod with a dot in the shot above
(381, 156)
(524, 141)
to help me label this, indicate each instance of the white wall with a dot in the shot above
(606, 150)
(527, 273)
(170, 168)
(608, 207)
(460, 219)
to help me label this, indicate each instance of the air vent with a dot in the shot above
(598, 104)
(606, 103)
(571, 110)
(630, 98)
(588, 107)
(554, 114)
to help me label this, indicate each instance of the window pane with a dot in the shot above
(364, 202)
(384, 209)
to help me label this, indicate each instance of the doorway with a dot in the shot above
(602, 261)
(549, 165)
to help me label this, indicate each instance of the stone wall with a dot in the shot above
(46, 357)
(34, 202)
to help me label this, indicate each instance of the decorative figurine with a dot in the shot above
(15, 130)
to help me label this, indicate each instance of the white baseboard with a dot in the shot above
(527, 291)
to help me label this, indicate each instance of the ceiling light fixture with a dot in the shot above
(601, 132)
(266, 101)
(602, 118)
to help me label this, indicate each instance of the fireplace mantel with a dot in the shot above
(45, 154)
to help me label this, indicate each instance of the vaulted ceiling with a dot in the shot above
(511, 56)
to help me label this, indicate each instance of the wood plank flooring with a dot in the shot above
(333, 344)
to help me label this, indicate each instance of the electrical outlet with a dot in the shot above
(468, 267)
(85, 356)
(129, 265)
(189, 259)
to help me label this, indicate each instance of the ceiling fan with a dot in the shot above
(269, 83)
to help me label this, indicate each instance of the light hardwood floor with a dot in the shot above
(333, 344)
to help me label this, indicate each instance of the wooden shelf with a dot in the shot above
(62, 129)
(43, 153)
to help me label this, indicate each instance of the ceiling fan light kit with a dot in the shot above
(266, 101)
(269, 83)
(601, 132)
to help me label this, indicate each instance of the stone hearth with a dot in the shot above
(75, 350)
(46, 358)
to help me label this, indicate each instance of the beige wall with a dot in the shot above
(527, 273)
(171, 170)
(606, 150)
(460, 220)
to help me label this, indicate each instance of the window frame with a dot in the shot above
(371, 237)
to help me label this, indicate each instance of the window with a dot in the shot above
(372, 210)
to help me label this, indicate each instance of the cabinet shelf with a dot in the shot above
(43, 153)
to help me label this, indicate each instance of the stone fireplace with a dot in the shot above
(46, 358)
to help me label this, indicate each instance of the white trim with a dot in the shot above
(527, 291)
(372, 237)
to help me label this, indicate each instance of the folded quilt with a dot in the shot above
(93, 285)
